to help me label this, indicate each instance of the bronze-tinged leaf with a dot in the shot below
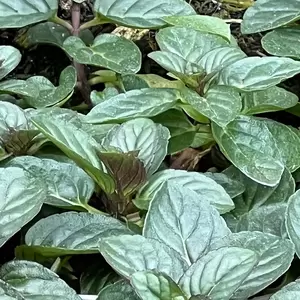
(127, 170)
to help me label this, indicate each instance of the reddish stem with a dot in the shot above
(82, 83)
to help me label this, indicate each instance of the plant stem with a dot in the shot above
(93, 22)
(94, 210)
(62, 22)
(83, 85)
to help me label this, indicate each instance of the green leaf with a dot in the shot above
(156, 81)
(181, 129)
(272, 42)
(18, 87)
(150, 139)
(140, 13)
(287, 138)
(260, 208)
(221, 104)
(197, 182)
(133, 82)
(292, 220)
(188, 227)
(156, 286)
(95, 278)
(136, 103)
(107, 51)
(275, 257)
(35, 281)
(49, 33)
(9, 59)
(258, 73)
(128, 254)
(269, 14)
(251, 147)
(207, 24)
(219, 273)
(22, 13)
(106, 94)
(120, 290)
(127, 170)
(269, 100)
(68, 185)
(71, 233)
(50, 95)
(7, 292)
(21, 193)
(232, 187)
(76, 144)
(290, 291)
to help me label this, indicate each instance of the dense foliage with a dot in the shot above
(89, 183)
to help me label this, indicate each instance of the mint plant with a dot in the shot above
(86, 188)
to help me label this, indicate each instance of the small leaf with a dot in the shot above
(275, 257)
(189, 227)
(35, 281)
(290, 291)
(219, 58)
(22, 13)
(221, 103)
(197, 182)
(71, 233)
(133, 82)
(207, 24)
(108, 51)
(150, 139)
(219, 273)
(232, 187)
(181, 129)
(156, 286)
(255, 17)
(272, 42)
(19, 87)
(120, 290)
(126, 169)
(128, 254)
(250, 146)
(76, 144)
(21, 193)
(269, 100)
(9, 59)
(140, 13)
(67, 184)
(136, 103)
(258, 73)
(50, 95)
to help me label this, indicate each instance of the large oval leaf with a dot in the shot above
(269, 100)
(9, 59)
(23, 12)
(147, 102)
(269, 14)
(140, 13)
(272, 42)
(22, 196)
(205, 187)
(68, 185)
(275, 257)
(251, 147)
(35, 281)
(71, 233)
(189, 227)
(128, 254)
(150, 139)
(156, 286)
(219, 273)
(75, 143)
(258, 73)
(202, 23)
(108, 51)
